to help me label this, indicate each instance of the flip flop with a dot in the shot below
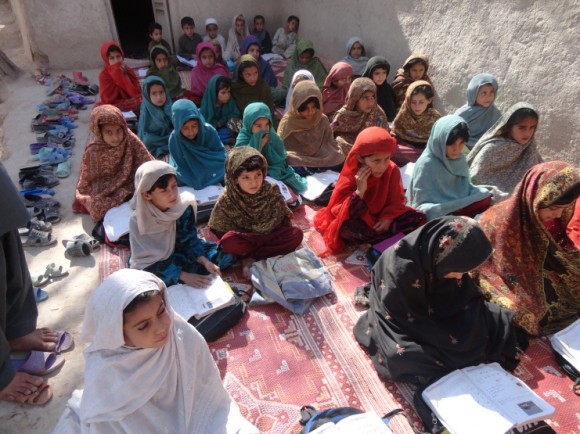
(52, 270)
(64, 343)
(92, 242)
(38, 363)
(40, 280)
(40, 295)
(77, 249)
(63, 169)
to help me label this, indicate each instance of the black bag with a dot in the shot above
(215, 325)
(570, 371)
(312, 419)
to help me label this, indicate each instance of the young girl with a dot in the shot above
(284, 42)
(480, 112)
(304, 58)
(258, 133)
(146, 367)
(356, 55)
(359, 112)
(426, 316)
(251, 45)
(118, 84)
(249, 87)
(155, 124)
(236, 35)
(251, 217)
(206, 68)
(161, 67)
(535, 268)
(195, 149)
(507, 150)
(415, 68)
(300, 75)
(368, 203)
(413, 124)
(220, 110)
(377, 70)
(336, 87)
(440, 183)
(110, 160)
(163, 232)
(306, 133)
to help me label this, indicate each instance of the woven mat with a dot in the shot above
(273, 362)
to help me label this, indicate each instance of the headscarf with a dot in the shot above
(410, 127)
(200, 75)
(152, 230)
(348, 121)
(129, 389)
(532, 273)
(334, 97)
(244, 94)
(117, 85)
(315, 66)
(273, 150)
(107, 173)
(478, 118)
(303, 74)
(403, 79)
(384, 196)
(198, 162)
(499, 161)
(358, 65)
(309, 143)
(155, 124)
(214, 115)
(439, 185)
(232, 49)
(266, 71)
(238, 211)
(385, 94)
(421, 324)
(169, 74)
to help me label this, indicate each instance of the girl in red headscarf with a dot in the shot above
(118, 84)
(368, 203)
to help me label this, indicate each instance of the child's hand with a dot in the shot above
(196, 280)
(264, 140)
(211, 268)
(361, 178)
(382, 225)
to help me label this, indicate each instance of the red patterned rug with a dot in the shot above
(273, 362)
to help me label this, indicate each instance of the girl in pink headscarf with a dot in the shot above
(206, 68)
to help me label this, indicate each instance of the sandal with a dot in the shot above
(38, 363)
(37, 191)
(34, 223)
(52, 270)
(38, 238)
(39, 201)
(92, 242)
(64, 341)
(40, 280)
(40, 294)
(51, 214)
(63, 169)
(77, 249)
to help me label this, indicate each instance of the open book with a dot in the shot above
(207, 195)
(116, 221)
(407, 174)
(318, 182)
(567, 343)
(192, 62)
(188, 301)
(484, 399)
(288, 194)
(367, 423)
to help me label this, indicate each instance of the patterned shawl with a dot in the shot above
(403, 79)
(478, 118)
(439, 185)
(244, 94)
(107, 173)
(238, 211)
(169, 74)
(410, 127)
(155, 124)
(332, 96)
(385, 94)
(384, 197)
(200, 75)
(530, 272)
(358, 65)
(499, 161)
(421, 324)
(273, 150)
(348, 121)
(309, 143)
(315, 66)
(198, 162)
(217, 116)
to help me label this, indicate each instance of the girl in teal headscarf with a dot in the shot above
(195, 149)
(219, 108)
(258, 133)
(155, 124)
(441, 183)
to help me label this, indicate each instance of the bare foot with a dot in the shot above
(43, 339)
(26, 388)
(246, 264)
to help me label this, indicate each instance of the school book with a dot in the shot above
(288, 194)
(207, 195)
(367, 423)
(484, 399)
(407, 174)
(116, 221)
(189, 301)
(192, 62)
(318, 182)
(567, 343)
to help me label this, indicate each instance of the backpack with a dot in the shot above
(312, 419)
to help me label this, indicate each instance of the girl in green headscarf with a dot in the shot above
(304, 58)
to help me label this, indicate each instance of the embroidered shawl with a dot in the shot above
(403, 79)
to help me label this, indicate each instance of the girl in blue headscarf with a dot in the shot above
(480, 112)
(195, 149)
(441, 183)
(258, 133)
(155, 124)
